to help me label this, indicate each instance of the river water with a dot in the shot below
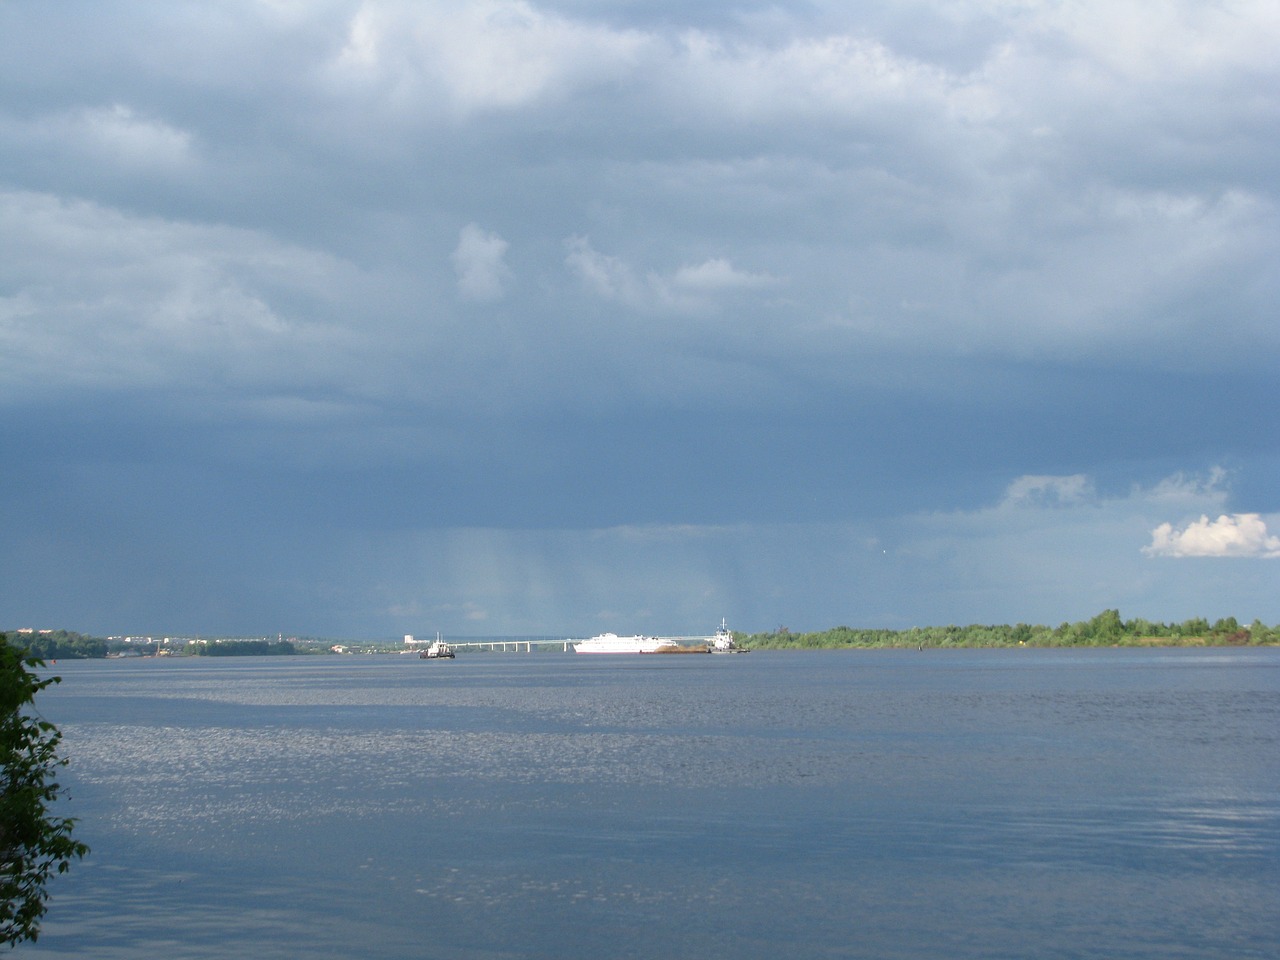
(850, 804)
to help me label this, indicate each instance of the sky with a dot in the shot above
(356, 319)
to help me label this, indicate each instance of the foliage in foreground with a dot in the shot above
(1106, 629)
(34, 844)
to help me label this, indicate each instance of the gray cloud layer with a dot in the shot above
(421, 267)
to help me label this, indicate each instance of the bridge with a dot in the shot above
(509, 646)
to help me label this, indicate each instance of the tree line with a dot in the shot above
(69, 645)
(241, 648)
(60, 645)
(1106, 629)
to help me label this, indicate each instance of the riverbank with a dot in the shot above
(1107, 629)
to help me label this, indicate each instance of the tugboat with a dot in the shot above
(723, 641)
(439, 650)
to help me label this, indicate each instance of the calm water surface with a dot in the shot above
(860, 804)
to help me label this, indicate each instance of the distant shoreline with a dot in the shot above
(1107, 629)
(1143, 643)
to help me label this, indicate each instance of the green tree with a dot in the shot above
(1106, 627)
(34, 844)
(1195, 627)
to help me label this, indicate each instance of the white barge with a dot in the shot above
(612, 643)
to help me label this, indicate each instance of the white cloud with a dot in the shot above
(119, 132)
(481, 55)
(606, 276)
(688, 289)
(103, 298)
(1050, 490)
(832, 76)
(479, 264)
(1090, 173)
(1070, 185)
(1035, 66)
(1181, 488)
(719, 274)
(1235, 535)
(118, 138)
